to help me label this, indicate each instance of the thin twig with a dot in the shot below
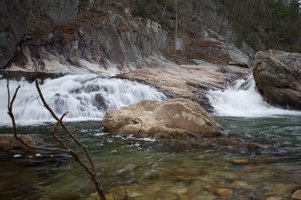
(64, 127)
(74, 154)
(54, 131)
(11, 115)
(90, 170)
(65, 149)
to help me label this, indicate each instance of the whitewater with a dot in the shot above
(242, 99)
(86, 97)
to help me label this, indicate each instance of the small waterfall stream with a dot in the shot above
(243, 100)
(86, 97)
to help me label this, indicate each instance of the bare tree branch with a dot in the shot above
(11, 115)
(89, 167)
(64, 127)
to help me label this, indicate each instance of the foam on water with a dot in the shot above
(243, 100)
(86, 97)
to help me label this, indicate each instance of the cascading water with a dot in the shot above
(243, 100)
(86, 97)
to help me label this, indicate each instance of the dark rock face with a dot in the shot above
(60, 11)
(278, 77)
(40, 35)
(70, 32)
(12, 29)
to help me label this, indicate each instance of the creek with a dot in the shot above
(146, 168)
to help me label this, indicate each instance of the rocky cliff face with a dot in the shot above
(64, 35)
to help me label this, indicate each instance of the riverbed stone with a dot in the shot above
(224, 192)
(297, 195)
(219, 191)
(173, 119)
(277, 76)
(275, 198)
(8, 142)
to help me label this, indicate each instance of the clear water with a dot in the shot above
(260, 157)
(149, 170)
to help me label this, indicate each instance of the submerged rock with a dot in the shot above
(224, 192)
(277, 76)
(296, 195)
(174, 119)
(219, 191)
(275, 198)
(9, 143)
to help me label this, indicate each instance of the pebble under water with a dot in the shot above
(149, 170)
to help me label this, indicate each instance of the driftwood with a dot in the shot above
(89, 166)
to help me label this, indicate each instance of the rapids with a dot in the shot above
(243, 100)
(86, 97)
(146, 168)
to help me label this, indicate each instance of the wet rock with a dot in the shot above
(242, 185)
(275, 198)
(179, 190)
(281, 188)
(9, 143)
(189, 81)
(224, 192)
(239, 161)
(174, 119)
(297, 195)
(277, 76)
(220, 191)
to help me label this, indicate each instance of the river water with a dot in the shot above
(149, 170)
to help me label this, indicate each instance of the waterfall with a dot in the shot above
(243, 100)
(86, 97)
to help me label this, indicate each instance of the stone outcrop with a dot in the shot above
(278, 77)
(68, 35)
(9, 143)
(111, 36)
(189, 81)
(174, 119)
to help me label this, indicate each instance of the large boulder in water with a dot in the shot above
(278, 77)
(173, 119)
